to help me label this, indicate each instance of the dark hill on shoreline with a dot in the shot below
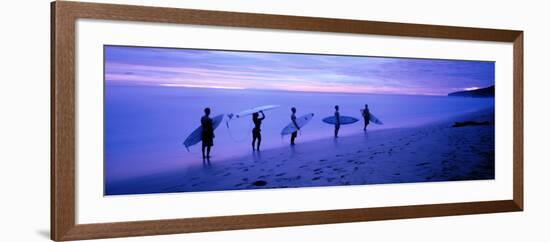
(482, 92)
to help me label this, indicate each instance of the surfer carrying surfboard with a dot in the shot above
(256, 131)
(366, 117)
(295, 133)
(337, 123)
(207, 134)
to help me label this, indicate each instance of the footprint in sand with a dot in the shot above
(227, 174)
(316, 178)
(259, 183)
(322, 160)
(302, 166)
(280, 174)
(359, 151)
(423, 164)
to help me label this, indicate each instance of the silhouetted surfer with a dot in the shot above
(295, 133)
(207, 134)
(366, 116)
(256, 132)
(337, 124)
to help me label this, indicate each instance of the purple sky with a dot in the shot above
(294, 72)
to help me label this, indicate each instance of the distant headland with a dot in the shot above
(481, 92)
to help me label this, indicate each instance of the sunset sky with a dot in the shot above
(292, 72)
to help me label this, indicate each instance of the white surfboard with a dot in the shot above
(252, 110)
(372, 118)
(196, 136)
(301, 122)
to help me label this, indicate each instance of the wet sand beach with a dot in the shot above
(426, 153)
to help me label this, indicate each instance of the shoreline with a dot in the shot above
(385, 156)
(168, 85)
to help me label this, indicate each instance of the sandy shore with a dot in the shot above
(431, 152)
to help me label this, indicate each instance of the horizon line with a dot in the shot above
(177, 85)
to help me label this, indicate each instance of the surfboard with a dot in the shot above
(373, 118)
(343, 120)
(252, 110)
(301, 122)
(196, 136)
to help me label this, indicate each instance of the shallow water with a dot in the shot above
(145, 126)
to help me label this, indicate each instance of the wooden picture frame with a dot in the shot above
(63, 18)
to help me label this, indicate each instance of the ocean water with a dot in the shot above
(145, 126)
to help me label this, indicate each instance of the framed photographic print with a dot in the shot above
(160, 115)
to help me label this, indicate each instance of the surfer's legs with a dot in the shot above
(259, 141)
(254, 142)
(206, 155)
(293, 137)
(208, 152)
(253, 139)
(336, 129)
(365, 127)
(256, 136)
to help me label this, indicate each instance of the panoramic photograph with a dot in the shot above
(195, 120)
